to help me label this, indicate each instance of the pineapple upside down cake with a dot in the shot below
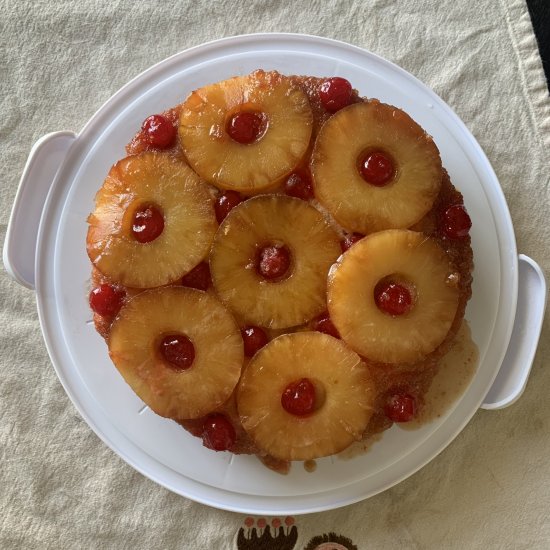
(279, 265)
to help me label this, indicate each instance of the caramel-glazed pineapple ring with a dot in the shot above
(347, 396)
(189, 221)
(267, 219)
(339, 186)
(407, 256)
(252, 167)
(217, 341)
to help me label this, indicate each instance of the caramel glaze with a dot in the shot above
(414, 378)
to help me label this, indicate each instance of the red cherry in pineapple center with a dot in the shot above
(335, 93)
(106, 300)
(456, 222)
(299, 397)
(377, 168)
(245, 127)
(400, 407)
(254, 338)
(147, 224)
(392, 298)
(273, 262)
(159, 131)
(218, 433)
(177, 351)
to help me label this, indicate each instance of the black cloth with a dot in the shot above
(540, 17)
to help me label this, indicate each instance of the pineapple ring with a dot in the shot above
(267, 219)
(357, 205)
(246, 167)
(378, 336)
(189, 221)
(219, 354)
(341, 419)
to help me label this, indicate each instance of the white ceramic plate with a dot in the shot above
(159, 448)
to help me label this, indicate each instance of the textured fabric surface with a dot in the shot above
(61, 486)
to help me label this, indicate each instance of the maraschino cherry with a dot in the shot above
(335, 93)
(392, 298)
(199, 277)
(273, 262)
(323, 323)
(377, 168)
(349, 240)
(218, 433)
(159, 132)
(456, 222)
(225, 202)
(245, 127)
(148, 224)
(400, 407)
(299, 185)
(178, 351)
(106, 300)
(299, 397)
(254, 338)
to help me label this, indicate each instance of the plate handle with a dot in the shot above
(44, 161)
(514, 371)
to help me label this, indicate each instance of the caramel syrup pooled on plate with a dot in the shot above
(279, 466)
(310, 466)
(455, 372)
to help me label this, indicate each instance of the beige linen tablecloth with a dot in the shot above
(60, 486)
